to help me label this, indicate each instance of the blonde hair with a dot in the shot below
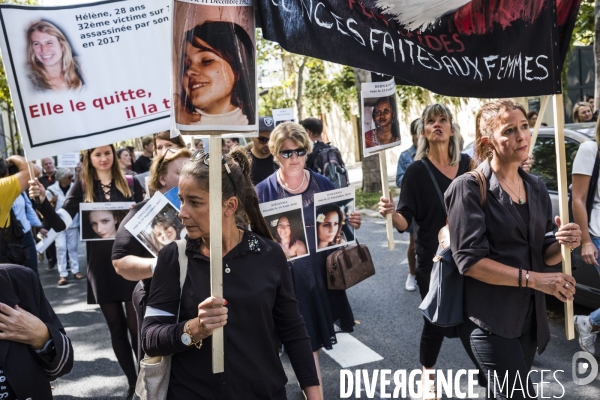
(69, 65)
(160, 166)
(90, 176)
(292, 131)
(436, 110)
(576, 108)
(487, 119)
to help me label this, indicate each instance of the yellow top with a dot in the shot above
(10, 188)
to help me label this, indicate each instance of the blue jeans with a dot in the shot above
(595, 316)
(32, 261)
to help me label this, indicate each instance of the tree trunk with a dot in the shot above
(597, 53)
(370, 165)
(300, 88)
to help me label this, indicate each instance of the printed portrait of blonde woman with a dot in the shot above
(50, 59)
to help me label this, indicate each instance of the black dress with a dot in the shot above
(104, 284)
(261, 304)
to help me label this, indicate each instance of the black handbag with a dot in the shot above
(443, 304)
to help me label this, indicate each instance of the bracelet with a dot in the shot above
(520, 276)
(526, 279)
(186, 329)
(585, 244)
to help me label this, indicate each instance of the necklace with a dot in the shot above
(521, 201)
(227, 269)
(286, 186)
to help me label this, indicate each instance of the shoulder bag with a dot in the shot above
(443, 304)
(348, 266)
(153, 378)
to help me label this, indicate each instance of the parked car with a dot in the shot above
(544, 167)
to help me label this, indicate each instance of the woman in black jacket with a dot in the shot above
(34, 348)
(502, 249)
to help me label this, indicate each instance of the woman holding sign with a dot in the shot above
(258, 302)
(50, 59)
(102, 181)
(289, 144)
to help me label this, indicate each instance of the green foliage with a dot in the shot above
(321, 92)
(583, 32)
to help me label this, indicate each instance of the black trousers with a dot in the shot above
(431, 336)
(497, 357)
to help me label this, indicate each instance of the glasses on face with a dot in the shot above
(263, 140)
(385, 111)
(288, 153)
(202, 156)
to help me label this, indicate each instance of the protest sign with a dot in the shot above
(332, 208)
(286, 222)
(67, 160)
(380, 128)
(156, 224)
(75, 72)
(100, 221)
(214, 66)
(282, 115)
(481, 49)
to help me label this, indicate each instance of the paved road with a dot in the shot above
(390, 325)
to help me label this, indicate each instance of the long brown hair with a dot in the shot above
(235, 183)
(69, 65)
(90, 175)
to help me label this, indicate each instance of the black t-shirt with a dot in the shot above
(420, 202)
(262, 168)
(142, 164)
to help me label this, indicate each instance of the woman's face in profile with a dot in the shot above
(46, 48)
(165, 234)
(125, 159)
(585, 113)
(283, 228)
(208, 80)
(382, 114)
(328, 229)
(104, 224)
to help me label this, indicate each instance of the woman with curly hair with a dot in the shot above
(52, 65)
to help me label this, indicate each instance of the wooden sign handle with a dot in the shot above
(216, 244)
(538, 123)
(385, 189)
(561, 171)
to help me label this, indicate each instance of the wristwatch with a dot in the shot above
(47, 349)
(186, 336)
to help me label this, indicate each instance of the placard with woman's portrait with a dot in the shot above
(332, 208)
(156, 224)
(380, 126)
(286, 222)
(214, 66)
(100, 221)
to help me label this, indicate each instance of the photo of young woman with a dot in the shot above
(166, 229)
(331, 224)
(288, 231)
(101, 224)
(385, 118)
(50, 59)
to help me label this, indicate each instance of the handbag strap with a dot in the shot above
(437, 188)
(482, 182)
(361, 253)
(183, 266)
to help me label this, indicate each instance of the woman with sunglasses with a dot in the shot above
(258, 302)
(102, 181)
(320, 307)
(129, 257)
(386, 128)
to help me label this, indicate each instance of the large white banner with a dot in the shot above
(87, 75)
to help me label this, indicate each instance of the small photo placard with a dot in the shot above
(332, 208)
(283, 115)
(100, 221)
(67, 160)
(380, 121)
(156, 224)
(286, 222)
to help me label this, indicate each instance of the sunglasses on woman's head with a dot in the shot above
(201, 155)
(288, 153)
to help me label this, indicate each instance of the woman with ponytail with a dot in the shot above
(102, 180)
(258, 301)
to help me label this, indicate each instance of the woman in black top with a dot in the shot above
(259, 292)
(103, 181)
(502, 249)
(438, 153)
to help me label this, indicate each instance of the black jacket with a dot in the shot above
(26, 372)
(499, 233)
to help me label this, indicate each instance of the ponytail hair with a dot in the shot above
(236, 183)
